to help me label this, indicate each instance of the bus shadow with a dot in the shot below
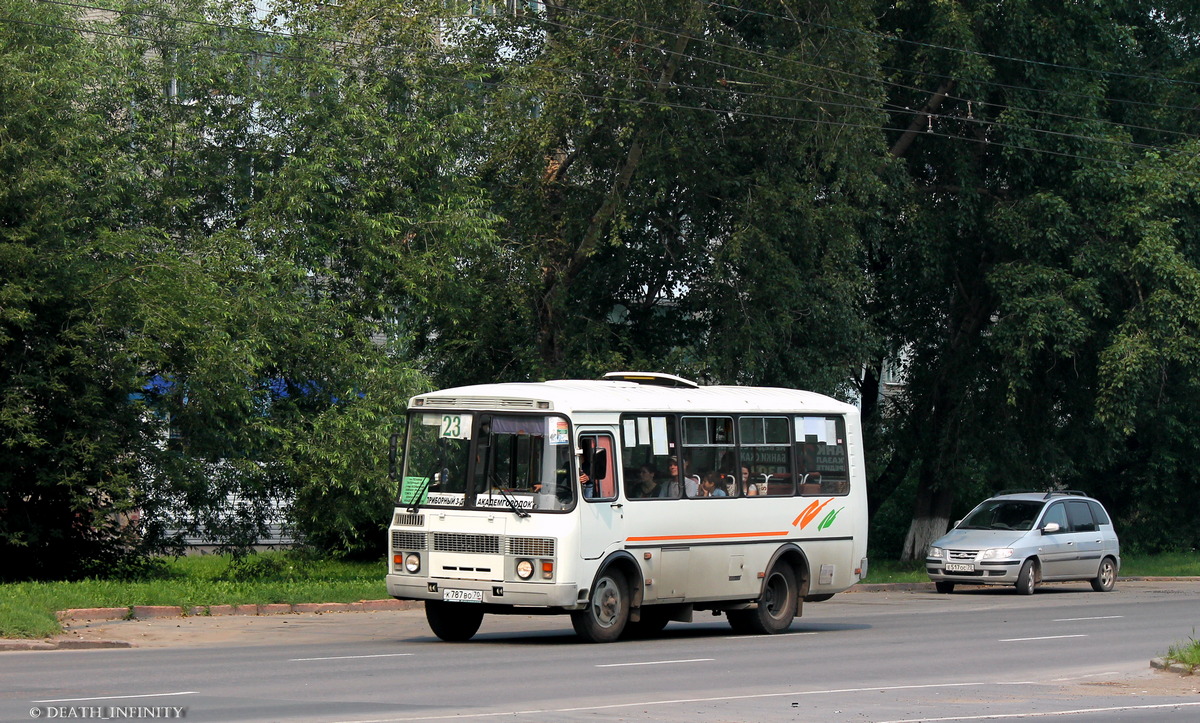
(674, 631)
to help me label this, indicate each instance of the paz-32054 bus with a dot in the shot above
(627, 503)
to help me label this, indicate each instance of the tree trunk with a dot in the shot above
(930, 520)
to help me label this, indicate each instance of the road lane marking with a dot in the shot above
(765, 637)
(117, 697)
(1044, 637)
(675, 701)
(352, 657)
(657, 662)
(1047, 714)
(1071, 620)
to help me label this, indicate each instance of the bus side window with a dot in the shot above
(764, 450)
(821, 455)
(599, 464)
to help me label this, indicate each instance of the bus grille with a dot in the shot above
(408, 519)
(455, 542)
(408, 540)
(531, 546)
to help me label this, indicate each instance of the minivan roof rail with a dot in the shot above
(1017, 492)
(1076, 493)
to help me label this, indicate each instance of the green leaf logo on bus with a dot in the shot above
(829, 518)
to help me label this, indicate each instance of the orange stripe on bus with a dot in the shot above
(706, 537)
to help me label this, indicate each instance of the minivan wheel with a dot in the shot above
(944, 586)
(1027, 578)
(1106, 577)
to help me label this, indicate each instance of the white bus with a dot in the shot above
(627, 502)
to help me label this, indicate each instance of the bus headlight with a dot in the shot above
(412, 562)
(524, 569)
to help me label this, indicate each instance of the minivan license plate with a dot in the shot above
(472, 596)
(950, 567)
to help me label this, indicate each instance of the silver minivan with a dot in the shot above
(1025, 539)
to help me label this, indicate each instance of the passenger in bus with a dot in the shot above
(691, 483)
(713, 485)
(750, 487)
(646, 484)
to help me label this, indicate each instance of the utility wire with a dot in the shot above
(887, 106)
(978, 53)
(634, 101)
(921, 91)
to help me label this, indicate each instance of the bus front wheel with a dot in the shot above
(607, 612)
(776, 608)
(453, 622)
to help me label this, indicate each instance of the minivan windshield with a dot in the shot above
(1003, 515)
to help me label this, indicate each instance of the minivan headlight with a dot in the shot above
(934, 552)
(997, 553)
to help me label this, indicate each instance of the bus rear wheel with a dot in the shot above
(453, 622)
(607, 611)
(776, 608)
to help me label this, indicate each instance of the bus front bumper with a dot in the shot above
(554, 595)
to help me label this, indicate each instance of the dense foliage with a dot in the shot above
(234, 236)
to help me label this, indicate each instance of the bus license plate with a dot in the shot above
(955, 567)
(469, 596)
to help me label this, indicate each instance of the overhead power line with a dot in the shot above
(977, 53)
(662, 103)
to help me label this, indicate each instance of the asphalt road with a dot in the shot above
(980, 654)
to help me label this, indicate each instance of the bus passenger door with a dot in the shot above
(601, 518)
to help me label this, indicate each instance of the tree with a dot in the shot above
(214, 311)
(1018, 277)
(681, 188)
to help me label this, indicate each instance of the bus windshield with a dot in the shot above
(492, 461)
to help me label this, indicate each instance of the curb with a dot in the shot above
(1172, 667)
(65, 644)
(145, 612)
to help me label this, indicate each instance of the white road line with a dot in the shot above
(657, 662)
(765, 637)
(352, 657)
(1071, 620)
(1048, 714)
(117, 697)
(1106, 674)
(676, 701)
(1044, 637)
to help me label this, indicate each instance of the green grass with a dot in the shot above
(27, 608)
(1187, 653)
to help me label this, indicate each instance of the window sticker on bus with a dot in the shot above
(455, 426)
(814, 427)
(499, 501)
(659, 434)
(412, 487)
(630, 433)
(643, 430)
(561, 434)
(446, 499)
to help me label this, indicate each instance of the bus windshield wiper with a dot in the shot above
(512, 502)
